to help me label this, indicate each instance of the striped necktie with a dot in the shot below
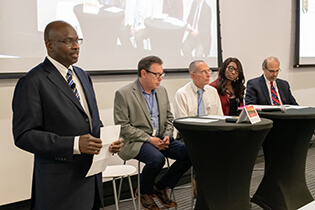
(274, 95)
(72, 84)
(201, 104)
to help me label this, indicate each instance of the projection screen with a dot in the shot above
(116, 33)
(305, 34)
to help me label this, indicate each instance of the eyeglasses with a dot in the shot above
(70, 42)
(232, 68)
(157, 75)
(273, 71)
(204, 71)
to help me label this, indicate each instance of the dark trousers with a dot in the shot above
(154, 160)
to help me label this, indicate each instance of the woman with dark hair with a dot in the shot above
(230, 86)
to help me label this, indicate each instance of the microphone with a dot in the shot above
(283, 109)
(72, 86)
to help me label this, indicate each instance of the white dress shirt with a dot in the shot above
(63, 71)
(269, 87)
(186, 101)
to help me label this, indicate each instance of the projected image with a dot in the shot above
(117, 33)
(307, 32)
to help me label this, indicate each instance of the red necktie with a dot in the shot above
(274, 95)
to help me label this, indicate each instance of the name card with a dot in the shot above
(249, 114)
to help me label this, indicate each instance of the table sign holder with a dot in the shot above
(249, 114)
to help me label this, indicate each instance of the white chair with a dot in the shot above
(119, 172)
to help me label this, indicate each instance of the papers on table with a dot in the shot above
(100, 161)
(219, 117)
(113, 9)
(197, 120)
(174, 21)
(295, 107)
(160, 16)
(281, 107)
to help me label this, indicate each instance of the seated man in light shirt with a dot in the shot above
(197, 97)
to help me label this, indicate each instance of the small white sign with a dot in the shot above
(249, 114)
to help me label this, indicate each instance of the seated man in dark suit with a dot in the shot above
(143, 110)
(268, 89)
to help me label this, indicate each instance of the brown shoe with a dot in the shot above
(147, 201)
(162, 196)
(194, 183)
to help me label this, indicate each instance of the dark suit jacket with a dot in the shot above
(131, 112)
(46, 117)
(257, 92)
(204, 25)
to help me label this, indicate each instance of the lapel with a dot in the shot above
(137, 91)
(159, 98)
(87, 88)
(58, 80)
(265, 91)
(280, 94)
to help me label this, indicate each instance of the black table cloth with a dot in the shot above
(223, 156)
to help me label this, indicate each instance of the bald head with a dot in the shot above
(271, 68)
(270, 59)
(53, 27)
(61, 42)
(193, 65)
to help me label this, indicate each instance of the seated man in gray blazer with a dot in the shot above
(142, 109)
(268, 89)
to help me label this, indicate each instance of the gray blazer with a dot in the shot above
(131, 112)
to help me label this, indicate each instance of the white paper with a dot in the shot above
(295, 107)
(243, 117)
(174, 21)
(280, 107)
(197, 120)
(219, 117)
(266, 106)
(91, 7)
(113, 9)
(100, 161)
(160, 16)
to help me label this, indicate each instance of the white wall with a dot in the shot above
(251, 30)
(255, 29)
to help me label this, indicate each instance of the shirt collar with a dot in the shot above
(152, 91)
(61, 68)
(268, 82)
(195, 88)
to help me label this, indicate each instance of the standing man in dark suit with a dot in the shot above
(268, 89)
(199, 28)
(143, 110)
(55, 117)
